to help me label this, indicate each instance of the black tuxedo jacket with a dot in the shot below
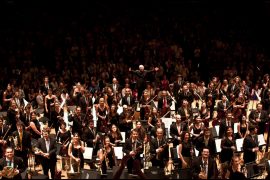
(128, 147)
(154, 146)
(248, 144)
(211, 145)
(125, 101)
(18, 164)
(223, 128)
(212, 168)
(26, 140)
(88, 136)
(52, 149)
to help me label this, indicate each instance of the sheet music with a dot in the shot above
(173, 106)
(168, 122)
(217, 129)
(88, 153)
(235, 127)
(196, 152)
(118, 151)
(261, 140)
(239, 144)
(218, 145)
(177, 150)
(119, 110)
(123, 137)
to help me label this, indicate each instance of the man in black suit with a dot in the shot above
(44, 87)
(176, 130)
(4, 131)
(206, 141)
(258, 118)
(164, 104)
(23, 145)
(128, 99)
(133, 148)
(251, 145)
(47, 150)
(204, 167)
(159, 149)
(78, 120)
(224, 124)
(222, 107)
(12, 161)
(92, 139)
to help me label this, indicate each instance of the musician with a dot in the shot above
(12, 161)
(106, 156)
(185, 94)
(126, 120)
(204, 167)
(222, 107)
(133, 147)
(63, 137)
(159, 124)
(185, 112)
(141, 131)
(242, 128)
(110, 97)
(224, 88)
(85, 101)
(57, 116)
(102, 110)
(204, 113)
(7, 97)
(186, 151)
(176, 129)
(115, 135)
(145, 106)
(47, 151)
(206, 141)
(159, 149)
(251, 145)
(141, 75)
(164, 104)
(12, 114)
(78, 120)
(4, 133)
(23, 143)
(239, 106)
(228, 147)
(152, 119)
(34, 127)
(49, 100)
(196, 129)
(234, 88)
(128, 99)
(224, 124)
(256, 92)
(211, 94)
(26, 116)
(115, 86)
(91, 137)
(113, 116)
(75, 152)
(234, 170)
(18, 100)
(259, 117)
(45, 86)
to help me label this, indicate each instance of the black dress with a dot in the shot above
(63, 137)
(226, 153)
(186, 148)
(78, 154)
(34, 135)
(236, 174)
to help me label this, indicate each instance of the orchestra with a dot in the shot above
(152, 127)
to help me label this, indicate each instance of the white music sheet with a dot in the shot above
(118, 151)
(123, 137)
(88, 153)
(261, 140)
(239, 144)
(217, 129)
(235, 127)
(218, 145)
(196, 152)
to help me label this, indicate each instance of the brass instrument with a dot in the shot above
(203, 171)
(9, 172)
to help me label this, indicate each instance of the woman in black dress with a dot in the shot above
(63, 138)
(75, 152)
(242, 128)
(49, 105)
(115, 135)
(185, 151)
(106, 156)
(228, 147)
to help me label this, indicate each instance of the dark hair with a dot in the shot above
(20, 123)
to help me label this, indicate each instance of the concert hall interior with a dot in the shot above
(175, 89)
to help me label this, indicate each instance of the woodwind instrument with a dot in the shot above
(4, 137)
